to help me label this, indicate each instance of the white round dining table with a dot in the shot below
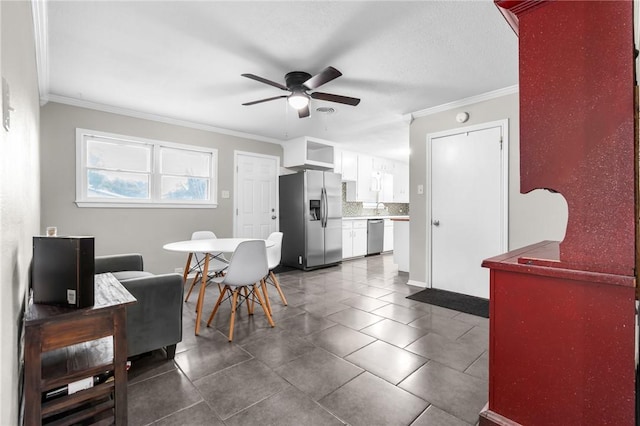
(212, 249)
(214, 245)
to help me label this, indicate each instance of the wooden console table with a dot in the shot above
(63, 345)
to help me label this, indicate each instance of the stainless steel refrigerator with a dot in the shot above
(311, 219)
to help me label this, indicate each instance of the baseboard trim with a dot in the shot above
(489, 418)
(417, 283)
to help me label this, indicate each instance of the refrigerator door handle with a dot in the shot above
(323, 208)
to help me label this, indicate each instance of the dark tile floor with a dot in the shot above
(349, 349)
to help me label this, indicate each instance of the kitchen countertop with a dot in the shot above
(405, 217)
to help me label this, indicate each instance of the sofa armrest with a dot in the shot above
(118, 262)
(156, 320)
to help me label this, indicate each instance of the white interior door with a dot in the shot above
(468, 196)
(256, 195)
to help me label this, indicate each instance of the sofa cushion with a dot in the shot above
(128, 275)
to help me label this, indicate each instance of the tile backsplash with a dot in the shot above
(356, 209)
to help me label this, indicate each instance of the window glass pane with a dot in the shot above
(105, 184)
(117, 156)
(184, 188)
(184, 162)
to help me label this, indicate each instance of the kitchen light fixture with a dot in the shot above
(298, 100)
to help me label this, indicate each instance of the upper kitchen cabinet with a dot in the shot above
(383, 165)
(345, 163)
(386, 187)
(362, 188)
(349, 166)
(308, 153)
(401, 183)
(337, 160)
(374, 179)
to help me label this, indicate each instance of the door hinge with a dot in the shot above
(500, 143)
(236, 212)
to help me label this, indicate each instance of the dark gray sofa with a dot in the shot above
(156, 320)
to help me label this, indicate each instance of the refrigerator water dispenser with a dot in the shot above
(314, 209)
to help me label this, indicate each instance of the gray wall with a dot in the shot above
(533, 217)
(143, 230)
(19, 193)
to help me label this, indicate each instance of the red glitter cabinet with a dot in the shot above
(562, 315)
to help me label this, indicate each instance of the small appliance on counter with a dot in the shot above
(311, 219)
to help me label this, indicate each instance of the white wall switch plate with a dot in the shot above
(225, 194)
(420, 189)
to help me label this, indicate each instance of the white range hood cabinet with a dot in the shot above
(308, 153)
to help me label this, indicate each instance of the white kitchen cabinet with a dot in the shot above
(347, 239)
(337, 160)
(360, 190)
(387, 244)
(401, 183)
(308, 153)
(387, 190)
(354, 238)
(383, 165)
(349, 166)
(359, 237)
(401, 244)
(372, 179)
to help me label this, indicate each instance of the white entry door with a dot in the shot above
(256, 195)
(468, 208)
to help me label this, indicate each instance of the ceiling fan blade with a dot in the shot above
(303, 112)
(265, 100)
(265, 81)
(324, 76)
(335, 98)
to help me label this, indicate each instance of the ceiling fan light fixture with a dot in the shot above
(299, 84)
(298, 100)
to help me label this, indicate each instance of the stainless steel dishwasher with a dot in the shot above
(375, 236)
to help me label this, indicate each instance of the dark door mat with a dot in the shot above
(456, 301)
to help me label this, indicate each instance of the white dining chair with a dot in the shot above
(242, 280)
(274, 254)
(217, 262)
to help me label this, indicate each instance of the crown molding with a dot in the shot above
(40, 29)
(159, 118)
(467, 101)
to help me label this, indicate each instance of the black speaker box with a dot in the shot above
(62, 271)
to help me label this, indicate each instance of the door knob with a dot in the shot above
(274, 217)
(436, 222)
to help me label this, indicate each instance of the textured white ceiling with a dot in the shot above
(183, 60)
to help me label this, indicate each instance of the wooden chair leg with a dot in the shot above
(253, 301)
(266, 295)
(193, 284)
(234, 304)
(246, 300)
(262, 303)
(215, 308)
(277, 284)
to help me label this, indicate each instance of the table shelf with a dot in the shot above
(64, 345)
(72, 363)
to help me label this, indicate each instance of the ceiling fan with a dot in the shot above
(299, 83)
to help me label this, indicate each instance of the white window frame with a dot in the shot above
(155, 201)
